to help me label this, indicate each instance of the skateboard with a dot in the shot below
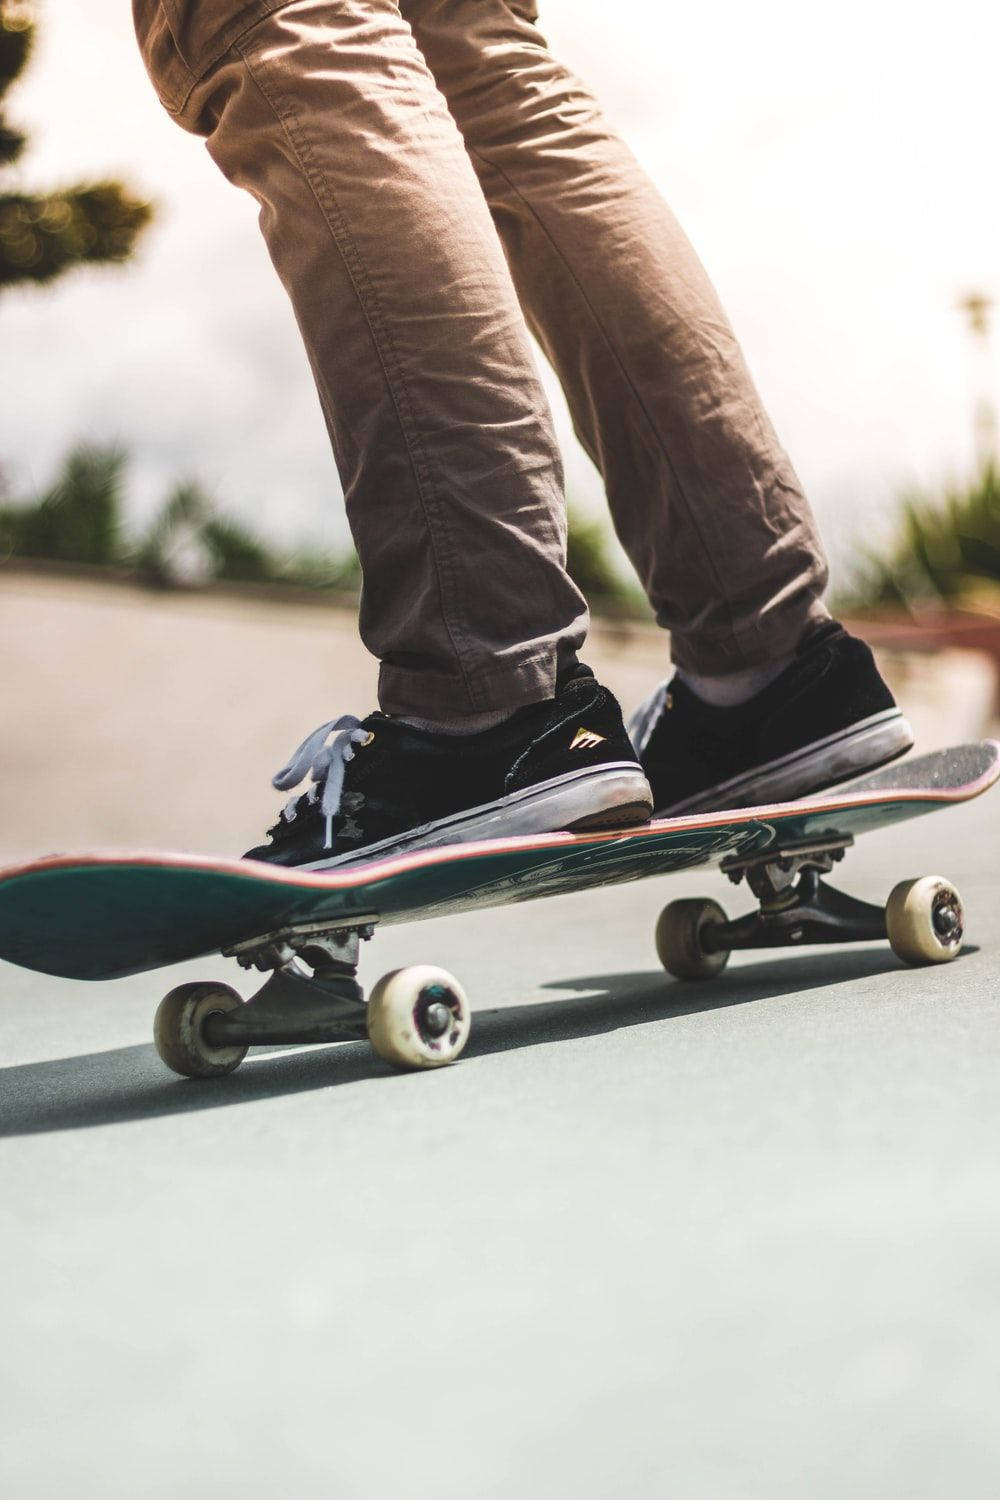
(104, 915)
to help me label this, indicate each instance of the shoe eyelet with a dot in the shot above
(363, 744)
(669, 700)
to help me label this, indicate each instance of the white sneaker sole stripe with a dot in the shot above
(547, 807)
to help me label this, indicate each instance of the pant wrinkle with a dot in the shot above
(382, 340)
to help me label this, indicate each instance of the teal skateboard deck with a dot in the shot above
(103, 915)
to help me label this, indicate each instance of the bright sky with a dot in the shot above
(835, 167)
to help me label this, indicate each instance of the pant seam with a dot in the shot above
(441, 549)
(609, 343)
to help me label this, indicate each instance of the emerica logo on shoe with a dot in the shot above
(586, 739)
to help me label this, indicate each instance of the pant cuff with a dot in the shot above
(762, 642)
(499, 686)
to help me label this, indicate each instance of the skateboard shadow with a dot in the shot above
(130, 1083)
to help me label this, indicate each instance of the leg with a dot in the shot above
(325, 111)
(702, 495)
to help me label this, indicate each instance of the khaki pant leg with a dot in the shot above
(702, 494)
(325, 111)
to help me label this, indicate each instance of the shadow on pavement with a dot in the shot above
(130, 1083)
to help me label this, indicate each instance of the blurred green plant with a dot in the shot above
(188, 544)
(948, 549)
(587, 560)
(78, 519)
(591, 568)
(81, 520)
(41, 236)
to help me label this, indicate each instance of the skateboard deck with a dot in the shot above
(104, 915)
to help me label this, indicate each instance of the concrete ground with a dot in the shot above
(645, 1239)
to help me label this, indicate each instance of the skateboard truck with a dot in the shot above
(415, 1017)
(922, 919)
(312, 994)
(794, 904)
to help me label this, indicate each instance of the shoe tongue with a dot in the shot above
(815, 635)
(577, 672)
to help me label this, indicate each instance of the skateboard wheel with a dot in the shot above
(924, 921)
(679, 941)
(178, 1030)
(418, 1017)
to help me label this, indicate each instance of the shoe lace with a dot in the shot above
(643, 719)
(326, 765)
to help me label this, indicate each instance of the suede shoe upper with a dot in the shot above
(832, 683)
(401, 778)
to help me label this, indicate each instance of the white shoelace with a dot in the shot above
(326, 764)
(641, 724)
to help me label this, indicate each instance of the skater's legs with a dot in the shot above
(703, 497)
(325, 111)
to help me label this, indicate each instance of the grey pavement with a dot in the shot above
(645, 1239)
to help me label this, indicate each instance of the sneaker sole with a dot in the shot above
(850, 752)
(612, 796)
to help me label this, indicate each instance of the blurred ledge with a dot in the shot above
(114, 577)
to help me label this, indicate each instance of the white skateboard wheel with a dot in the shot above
(924, 921)
(178, 1030)
(418, 1017)
(679, 939)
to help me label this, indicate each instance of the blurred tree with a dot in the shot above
(78, 519)
(189, 543)
(587, 560)
(593, 570)
(42, 236)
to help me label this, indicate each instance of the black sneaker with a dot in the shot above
(381, 786)
(827, 717)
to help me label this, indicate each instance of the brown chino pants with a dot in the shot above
(414, 163)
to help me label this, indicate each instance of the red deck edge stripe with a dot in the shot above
(357, 876)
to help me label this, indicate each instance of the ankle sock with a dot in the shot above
(733, 688)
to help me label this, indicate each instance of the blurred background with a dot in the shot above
(159, 427)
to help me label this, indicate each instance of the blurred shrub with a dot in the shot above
(78, 519)
(947, 549)
(592, 569)
(189, 544)
(587, 560)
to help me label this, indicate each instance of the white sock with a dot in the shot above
(733, 688)
(459, 725)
